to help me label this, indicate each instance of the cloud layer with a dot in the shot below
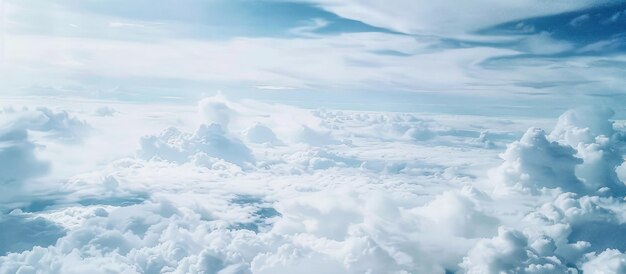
(234, 190)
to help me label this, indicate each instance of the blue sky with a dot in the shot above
(483, 56)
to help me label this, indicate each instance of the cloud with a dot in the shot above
(534, 162)
(157, 237)
(509, 252)
(310, 27)
(543, 43)
(18, 160)
(83, 61)
(578, 21)
(590, 131)
(382, 200)
(603, 45)
(609, 261)
(583, 125)
(261, 134)
(211, 140)
(318, 159)
(580, 155)
(104, 111)
(447, 17)
(372, 230)
(576, 225)
(216, 110)
(251, 62)
(58, 125)
(21, 232)
(125, 25)
(314, 137)
(460, 216)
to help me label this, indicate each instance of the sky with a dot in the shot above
(396, 55)
(312, 136)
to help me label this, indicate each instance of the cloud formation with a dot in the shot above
(534, 162)
(447, 17)
(226, 200)
(176, 146)
(590, 131)
(19, 161)
(580, 155)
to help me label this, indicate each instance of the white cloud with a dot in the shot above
(261, 134)
(447, 17)
(58, 125)
(349, 62)
(534, 162)
(609, 261)
(105, 111)
(216, 110)
(315, 137)
(509, 252)
(176, 146)
(18, 161)
(580, 20)
(591, 132)
(543, 43)
(122, 25)
(377, 201)
(460, 216)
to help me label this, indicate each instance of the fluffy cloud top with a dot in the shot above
(580, 155)
(314, 137)
(534, 162)
(216, 110)
(59, 125)
(176, 146)
(590, 131)
(609, 261)
(382, 200)
(583, 125)
(460, 216)
(509, 252)
(261, 134)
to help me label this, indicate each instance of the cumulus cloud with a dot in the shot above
(104, 111)
(580, 155)
(18, 153)
(158, 237)
(609, 261)
(460, 216)
(590, 131)
(583, 125)
(58, 125)
(577, 224)
(534, 162)
(319, 158)
(176, 146)
(258, 133)
(216, 110)
(22, 232)
(314, 137)
(386, 201)
(509, 252)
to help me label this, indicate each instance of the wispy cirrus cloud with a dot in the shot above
(508, 51)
